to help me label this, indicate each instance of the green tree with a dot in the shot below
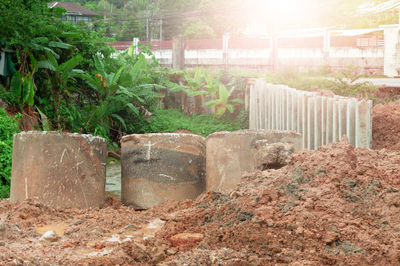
(196, 29)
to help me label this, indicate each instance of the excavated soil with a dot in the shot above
(386, 126)
(336, 205)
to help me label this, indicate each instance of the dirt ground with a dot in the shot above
(386, 126)
(336, 205)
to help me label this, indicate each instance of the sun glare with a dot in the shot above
(284, 13)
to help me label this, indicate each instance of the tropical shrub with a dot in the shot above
(125, 89)
(8, 127)
(48, 56)
(217, 90)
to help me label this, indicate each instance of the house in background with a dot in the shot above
(75, 12)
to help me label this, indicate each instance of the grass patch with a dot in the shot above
(171, 120)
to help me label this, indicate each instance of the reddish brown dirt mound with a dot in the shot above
(336, 205)
(386, 126)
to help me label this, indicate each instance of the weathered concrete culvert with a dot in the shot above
(161, 167)
(60, 170)
(231, 154)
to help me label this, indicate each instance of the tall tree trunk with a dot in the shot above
(126, 8)
(104, 17)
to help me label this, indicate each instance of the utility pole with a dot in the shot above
(161, 29)
(327, 46)
(178, 52)
(126, 8)
(274, 47)
(104, 13)
(147, 29)
(225, 46)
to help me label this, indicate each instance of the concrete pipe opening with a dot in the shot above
(160, 167)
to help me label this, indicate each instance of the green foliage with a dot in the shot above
(194, 82)
(8, 127)
(199, 82)
(67, 78)
(125, 88)
(223, 102)
(297, 80)
(21, 20)
(172, 120)
(46, 53)
(210, 18)
(197, 29)
(344, 83)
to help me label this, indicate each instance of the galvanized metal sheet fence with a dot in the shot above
(320, 119)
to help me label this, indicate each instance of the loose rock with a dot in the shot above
(50, 236)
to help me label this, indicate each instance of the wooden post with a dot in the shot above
(147, 29)
(178, 62)
(178, 52)
(327, 46)
(225, 46)
(161, 29)
(274, 47)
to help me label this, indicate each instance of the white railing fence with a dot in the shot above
(320, 119)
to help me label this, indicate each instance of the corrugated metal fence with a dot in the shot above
(320, 119)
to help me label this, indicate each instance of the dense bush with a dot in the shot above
(8, 127)
(66, 78)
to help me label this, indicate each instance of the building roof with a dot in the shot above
(382, 7)
(73, 8)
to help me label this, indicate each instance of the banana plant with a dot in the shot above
(106, 85)
(63, 75)
(22, 89)
(193, 85)
(41, 55)
(223, 102)
(22, 86)
(122, 91)
(212, 84)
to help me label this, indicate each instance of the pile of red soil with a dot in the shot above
(386, 126)
(336, 205)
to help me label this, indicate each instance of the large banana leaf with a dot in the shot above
(46, 64)
(60, 44)
(67, 66)
(28, 92)
(15, 86)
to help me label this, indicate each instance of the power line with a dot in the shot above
(188, 14)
